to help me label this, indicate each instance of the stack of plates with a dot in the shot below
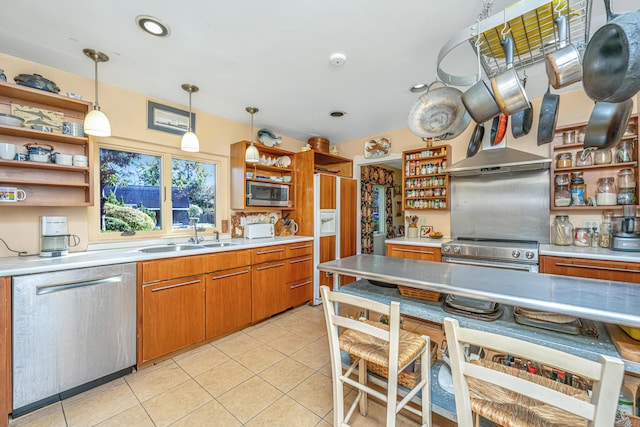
(79, 160)
(473, 308)
(74, 129)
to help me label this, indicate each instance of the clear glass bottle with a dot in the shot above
(584, 159)
(564, 160)
(606, 230)
(607, 194)
(562, 231)
(578, 190)
(602, 157)
(626, 179)
(562, 193)
(624, 151)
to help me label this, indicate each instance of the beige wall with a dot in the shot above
(575, 107)
(127, 111)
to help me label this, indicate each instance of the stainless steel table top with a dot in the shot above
(601, 300)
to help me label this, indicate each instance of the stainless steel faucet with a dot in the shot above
(195, 238)
(217, 235)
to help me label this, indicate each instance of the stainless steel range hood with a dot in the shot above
(498, 160)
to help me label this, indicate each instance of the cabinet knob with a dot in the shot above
(515, 254)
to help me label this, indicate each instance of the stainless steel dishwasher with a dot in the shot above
(72, 330)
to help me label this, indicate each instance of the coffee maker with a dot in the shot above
(626, 239)
(54, 237)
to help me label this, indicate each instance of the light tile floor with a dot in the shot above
(275, 373)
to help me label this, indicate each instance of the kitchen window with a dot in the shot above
(379, 209)
(153, 193)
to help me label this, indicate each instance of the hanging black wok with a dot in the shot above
(611, 62)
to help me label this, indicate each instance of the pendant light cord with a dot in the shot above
(190, 91)
(96, 106)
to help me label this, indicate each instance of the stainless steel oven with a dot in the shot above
(501, 253)
(267, 194)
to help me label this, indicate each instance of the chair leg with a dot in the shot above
(362, 379)
(392, 400)
(425, 373)
(338, 396)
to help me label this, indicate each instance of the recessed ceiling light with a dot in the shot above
(419, 87)
(337, 113)
(153, 26)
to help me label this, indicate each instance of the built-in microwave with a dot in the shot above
(267, 194)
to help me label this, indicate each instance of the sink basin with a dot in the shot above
(220, 245)
(170, 248)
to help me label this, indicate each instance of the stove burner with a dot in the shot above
(481, 248)
(489, 240)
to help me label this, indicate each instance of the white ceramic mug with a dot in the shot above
(12, 194)
(7, 151)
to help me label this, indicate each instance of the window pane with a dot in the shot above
(378, 209)
(129, 191)
(193, 193)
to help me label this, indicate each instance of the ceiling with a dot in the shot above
(273, 55)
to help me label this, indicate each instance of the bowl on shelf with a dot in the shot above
(10, 120)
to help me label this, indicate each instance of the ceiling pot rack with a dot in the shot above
(530, 23)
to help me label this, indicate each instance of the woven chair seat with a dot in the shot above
(510, 409)
(376, 351)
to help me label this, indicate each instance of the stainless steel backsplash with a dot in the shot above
(512, 205)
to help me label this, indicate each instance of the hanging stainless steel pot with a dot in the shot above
(563, 66)
(522, 120)
(439, 113)
(548, 117)
(611, 60)
(607, 124)
(507, 89)
(478, 99)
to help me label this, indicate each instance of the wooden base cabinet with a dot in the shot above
(300, 280)
(172, 315)
(414, 252)
(591, 268)
(228, 301)
(270, 290)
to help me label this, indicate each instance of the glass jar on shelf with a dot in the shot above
(624, 151)
(564, 160)
(583, 159)
(578, 190)
(562, 193)
(606, 194)
(602, 157)
(561, 231)
(626, 179)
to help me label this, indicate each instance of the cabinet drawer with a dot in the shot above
(414, 252)
(164, 269)
(227, 260)
(300, 291)
(299, 249)
(591, 268)
(300, 268)
(268, 253)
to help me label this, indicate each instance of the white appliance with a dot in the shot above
(54, 238)
(335, 225)
(258, 231)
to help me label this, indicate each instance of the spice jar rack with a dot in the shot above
(424, 184)
(569, 140)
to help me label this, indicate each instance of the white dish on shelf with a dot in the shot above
(39, 158)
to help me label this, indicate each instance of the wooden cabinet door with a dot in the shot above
(227, 301)
(300, 291)
(327, 253)
(327, 191)
(591, 268)
(173, 315)
(349, 221)
(270, 294)
(5, 347)
(414, 252)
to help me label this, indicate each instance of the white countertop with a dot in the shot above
(418, 241)
(14, 266)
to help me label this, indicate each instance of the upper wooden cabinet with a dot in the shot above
(425, 186)
(567, 141)
(243, 172)
(46, 184)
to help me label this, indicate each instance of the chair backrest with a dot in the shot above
(335, 321)
(607, 374)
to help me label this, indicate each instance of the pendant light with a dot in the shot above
(96, 122)
(252, 155)
(189, 139)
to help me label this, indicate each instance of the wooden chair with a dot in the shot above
(388, 347)
(513, 397)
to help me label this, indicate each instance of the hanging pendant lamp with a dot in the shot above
(189, 139)
(96, 122)
(252, 155)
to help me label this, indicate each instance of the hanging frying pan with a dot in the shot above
(499, 128)
(548, 117)
(476, 140)
(611, 60)
(439, 113)
(607, 124)
(522, 120)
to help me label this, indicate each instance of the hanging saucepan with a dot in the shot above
(607, 124)
(563, 66)
(612, 58)
(439, 114)
(476, 140)
(548, 117)
(499, 129)
(522, 120)
(507, 89)
(478, 99)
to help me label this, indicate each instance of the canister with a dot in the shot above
(581, 236)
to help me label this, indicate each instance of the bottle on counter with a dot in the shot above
(606, 230)
(561, 231)
(625, 400)
(580, 236)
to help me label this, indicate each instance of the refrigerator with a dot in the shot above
(335, 221)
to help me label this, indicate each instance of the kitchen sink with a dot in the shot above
(170, 248)
(220, 245)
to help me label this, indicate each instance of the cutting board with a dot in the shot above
(628, 348)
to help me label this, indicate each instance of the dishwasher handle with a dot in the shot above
(49, 289)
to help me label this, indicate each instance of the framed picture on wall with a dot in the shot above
(396, 190)
(399, 208)
(425, 230)
(168, 119)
